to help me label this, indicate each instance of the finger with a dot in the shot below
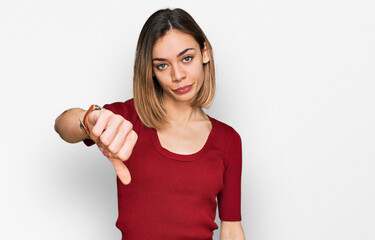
(121, 170)
(128, 146)
(104, 150)
(101, 120)
(101, 147)
(111, 130)
(119, 140)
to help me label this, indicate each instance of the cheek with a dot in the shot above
(197, 72)
(161, 77)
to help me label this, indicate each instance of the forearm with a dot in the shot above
(67, 125)
(231, 231)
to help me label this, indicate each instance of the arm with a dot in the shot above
(67, 125)
(112, 133)
(231, 231)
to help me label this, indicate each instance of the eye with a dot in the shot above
(187, 59)
(161, 66)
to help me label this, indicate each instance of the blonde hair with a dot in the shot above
(148, 94)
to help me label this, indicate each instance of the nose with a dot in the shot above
(178, 73)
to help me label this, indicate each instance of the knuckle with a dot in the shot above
(116, 118)
(103, 114)
(95, 131)
(125, 128)
(129, 124)
(112, 149)
(104, 140)
(126, 125)
(106, 112)
(106, 115)
(123, 155)
(133, 136)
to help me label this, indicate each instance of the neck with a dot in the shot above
(181, 114)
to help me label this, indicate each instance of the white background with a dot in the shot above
(294, 78)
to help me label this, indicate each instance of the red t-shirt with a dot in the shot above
(173, 196)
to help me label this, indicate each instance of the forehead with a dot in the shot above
(172, 43)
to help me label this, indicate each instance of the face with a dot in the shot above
(178, 66)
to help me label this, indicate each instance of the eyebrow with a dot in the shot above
(178, 55)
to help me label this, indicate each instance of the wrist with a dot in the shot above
(83, 123)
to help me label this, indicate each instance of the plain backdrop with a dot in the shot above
(295, 78)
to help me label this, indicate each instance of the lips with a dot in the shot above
(183, 89)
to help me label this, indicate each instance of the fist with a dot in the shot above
(115, 138)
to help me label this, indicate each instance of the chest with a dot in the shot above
(185, 140)
(160, 172)
(202, 178)
(170, 190)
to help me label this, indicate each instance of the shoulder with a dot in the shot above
(229, 141)
(223, 130)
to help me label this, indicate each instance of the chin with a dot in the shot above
(187, 98)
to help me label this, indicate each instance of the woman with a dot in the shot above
(171, 159)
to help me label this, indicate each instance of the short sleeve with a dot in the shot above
(229, 198)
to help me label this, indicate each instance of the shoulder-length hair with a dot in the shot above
(148, 94)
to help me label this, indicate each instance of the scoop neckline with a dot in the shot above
(184, 157)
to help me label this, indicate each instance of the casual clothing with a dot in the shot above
(173, 196)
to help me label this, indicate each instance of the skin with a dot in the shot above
(177, 62)
(112, 133)
(188, 128)
(182, 65)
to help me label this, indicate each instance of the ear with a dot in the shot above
(205, 54)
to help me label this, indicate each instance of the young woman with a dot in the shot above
(171, 159)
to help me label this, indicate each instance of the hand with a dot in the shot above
(115, 137)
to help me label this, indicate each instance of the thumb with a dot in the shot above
(121, 170)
